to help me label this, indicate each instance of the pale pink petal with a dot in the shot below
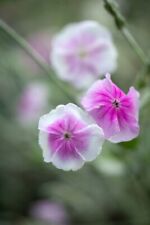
(134, 95)
(50, 117)
(128, 131)
(69, 163)
(95, 142)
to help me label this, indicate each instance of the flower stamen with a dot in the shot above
(116, 103)
(67, 135)
(83, 53)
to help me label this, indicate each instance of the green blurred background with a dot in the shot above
(115, 188)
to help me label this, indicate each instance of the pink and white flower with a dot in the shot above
(68, 137)
(113, 110)
(82, 52)
(33, 101)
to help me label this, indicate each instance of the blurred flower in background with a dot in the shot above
(53, 213)
(41, 42)
(82, 52)
(32, 103)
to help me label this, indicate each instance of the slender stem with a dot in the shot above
(120, 22)
(36, 57)
(113, 9)
(133, 43)
(139, 80)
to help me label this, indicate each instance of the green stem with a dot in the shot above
(113, 9)
(120, 22)
(133, 43)
(139, 80)
(36, 57)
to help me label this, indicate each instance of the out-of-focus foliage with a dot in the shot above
(115, 188)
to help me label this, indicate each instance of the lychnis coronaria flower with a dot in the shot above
(68, 138)
(113, 110)
(83, 51)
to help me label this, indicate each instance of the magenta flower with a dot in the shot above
(50, 212)
(113, 110)
(83, 51)
(32, 103)
(68, 138)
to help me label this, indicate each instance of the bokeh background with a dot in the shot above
(112, 190)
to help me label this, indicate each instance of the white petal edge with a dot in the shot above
(95, 143)
(69, 164)
(76, 28)
(43, 142)
(135, 96)
(126, 135)
(79, 113)
(50, 117)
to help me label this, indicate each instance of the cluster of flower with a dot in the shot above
(68, 135)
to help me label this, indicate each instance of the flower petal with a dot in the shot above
(127, 133)
(43, 142)
(53, 115)
(70, 163)
(107, 120)
(100, 91)
(134, 95)
(96, 140)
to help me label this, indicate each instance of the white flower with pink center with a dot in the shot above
(68, 138)
(113, 110)
(82, 52)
